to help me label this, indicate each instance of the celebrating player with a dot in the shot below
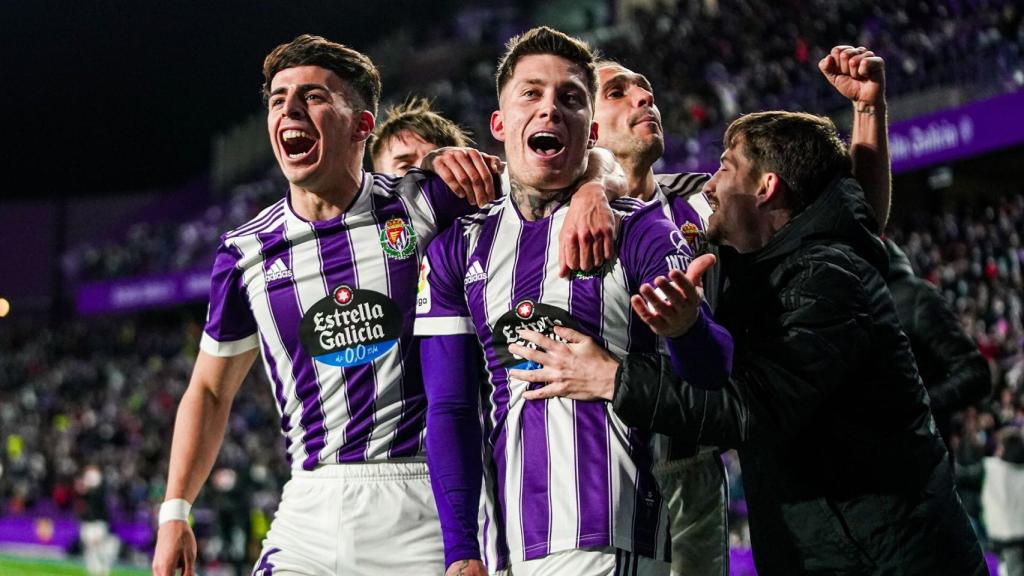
(574, 485)
(322, 283)
(409, 132)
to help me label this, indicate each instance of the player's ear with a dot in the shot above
(770, 187)
(593, 135)
(363, 126)
(498, 126)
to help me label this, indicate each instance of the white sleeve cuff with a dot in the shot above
(230, 348)
(444, 326)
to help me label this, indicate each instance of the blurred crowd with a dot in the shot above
(104, 394)
(975, 257)
(162, 247)
(712, 60)
(708, 60)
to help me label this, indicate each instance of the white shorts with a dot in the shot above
(355, 519)
(591, 562)
(697, 496)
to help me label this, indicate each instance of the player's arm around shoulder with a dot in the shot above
(198, 433)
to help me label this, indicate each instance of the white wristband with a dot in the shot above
(176, 509)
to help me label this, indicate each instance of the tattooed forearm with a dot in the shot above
(537, 204)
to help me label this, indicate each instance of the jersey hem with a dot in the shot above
(228, 348)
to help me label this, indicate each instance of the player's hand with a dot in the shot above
(467, 171)
(175, 548)
(856, 73)
(671, 307)
(466, 568)
(587, 238)
(579, 369)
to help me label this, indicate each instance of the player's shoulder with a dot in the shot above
(627, 207)
(682, 184)
(393, 185)
(268, 219)
(474, 221)
(638, 210)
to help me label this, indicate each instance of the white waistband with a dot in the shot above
(391, 469)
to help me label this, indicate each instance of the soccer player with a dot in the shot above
(409, 132)
(322, 285)
(629, 125)
(575, 490)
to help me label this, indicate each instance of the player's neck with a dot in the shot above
(535, 204)
(639, 176)
(326, 200)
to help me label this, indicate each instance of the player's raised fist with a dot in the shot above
(856, 73)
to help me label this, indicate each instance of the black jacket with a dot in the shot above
(842, 468)
(955, 373)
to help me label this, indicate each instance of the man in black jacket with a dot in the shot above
(954, 372)
(843, 470)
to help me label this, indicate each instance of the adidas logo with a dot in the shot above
(476, 273)
(277, 271)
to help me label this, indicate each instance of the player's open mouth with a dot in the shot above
(297, 143)
(545, 144)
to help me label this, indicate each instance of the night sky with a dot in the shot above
(123, 95)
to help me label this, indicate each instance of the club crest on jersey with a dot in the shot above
(350, 327)
(689, 235)
(398, 239)
(527, 315)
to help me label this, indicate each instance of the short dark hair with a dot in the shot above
(803, 149)
(353, 67)
(544, 40)
(416, 115)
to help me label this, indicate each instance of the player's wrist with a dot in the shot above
(876, 108)
(175, 509)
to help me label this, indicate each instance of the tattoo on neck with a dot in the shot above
(537, 204)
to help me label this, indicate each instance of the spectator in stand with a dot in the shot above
(953, 370)
(1002, 497)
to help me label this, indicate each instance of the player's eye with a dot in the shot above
(614, 93)
(572, 98)
(315, 97)
(276, 101)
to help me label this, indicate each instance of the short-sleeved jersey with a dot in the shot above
(331, 305)
(569, 474)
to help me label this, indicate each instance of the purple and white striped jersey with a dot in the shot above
(331, 306)
(569, 474)
(684, 203)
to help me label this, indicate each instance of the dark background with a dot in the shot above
(108, 96)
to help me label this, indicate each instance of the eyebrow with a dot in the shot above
(403, 157)
(623, 78)
(302, 88)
